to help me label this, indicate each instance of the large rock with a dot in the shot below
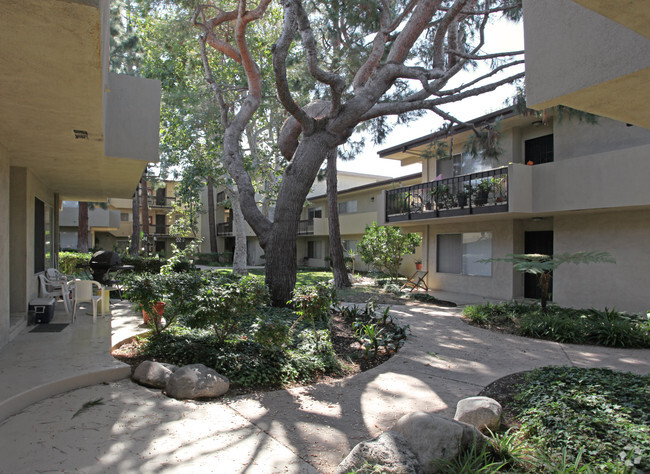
(481, 412)
(389, 450)
(431, 438)
(153, 374)
(196, 381)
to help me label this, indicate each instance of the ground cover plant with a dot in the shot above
(224, 322)
(578, 326)
(570, 419)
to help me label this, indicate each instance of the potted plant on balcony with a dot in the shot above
(483, 189)
(461, 198)
(442, 196)
(418, 264)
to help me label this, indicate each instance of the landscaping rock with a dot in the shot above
(153, 374)
(481, 412)
(431, 437)
(389, 450)
(196, 381)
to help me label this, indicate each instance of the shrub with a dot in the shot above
(207, 258)
(143, 264)
(68, 262)
(246, 362)
(608, 328)
(384, 247)
(222, 303)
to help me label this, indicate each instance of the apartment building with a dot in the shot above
(69, 130)
(358, 193)
(357, 206)
(558, 185)
(110, 226)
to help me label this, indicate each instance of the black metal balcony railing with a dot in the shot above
(156, 229)
(476, 193)
(224, 229)
(161, 201)
(306, 227)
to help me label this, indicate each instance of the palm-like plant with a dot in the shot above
(544, 265)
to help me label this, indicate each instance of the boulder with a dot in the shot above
(153, 374)
(481, 412)
(432, 437)
(389, 450)
(196, 381)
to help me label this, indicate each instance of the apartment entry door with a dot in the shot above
(537, 242)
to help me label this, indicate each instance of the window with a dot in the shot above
(347, 207)
(124, 216)
(349, 245)
(314, 213)
(539, 150)
(460, 253)
(313, 249)
(461, 164)
(221, 197)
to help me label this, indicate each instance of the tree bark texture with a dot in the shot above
(212, 226)
(144, 205)
(341, 279)
(82, 233)
(280, 243)
(239, 228)
(135, 235)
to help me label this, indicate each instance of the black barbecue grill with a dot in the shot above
(105, 265)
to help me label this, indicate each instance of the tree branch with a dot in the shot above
(401, 107)
(280, 51)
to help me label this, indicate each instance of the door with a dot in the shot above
(161, 227)
(537, 242)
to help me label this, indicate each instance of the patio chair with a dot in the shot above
(83, 293)
(417, 281)
(55, 287)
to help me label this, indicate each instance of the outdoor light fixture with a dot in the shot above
(537, 123)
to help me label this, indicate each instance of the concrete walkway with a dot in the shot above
(305, 429)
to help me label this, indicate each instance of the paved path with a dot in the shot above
(306, 429)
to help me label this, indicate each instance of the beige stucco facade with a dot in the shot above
(592, 55)
(58, 133)
(590, 196)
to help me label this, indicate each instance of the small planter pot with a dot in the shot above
(160, 308)
(418, 266)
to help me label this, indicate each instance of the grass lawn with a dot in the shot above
(303, 277)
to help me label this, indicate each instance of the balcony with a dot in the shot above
(306, 227)
(161, 201)
(224, 229)
(476, 193)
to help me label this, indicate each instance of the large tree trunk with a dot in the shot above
(144, 207)
(341, 279)
(212, 226)
(82, 233)
(280, 243)
(239, 229)
(135, 235)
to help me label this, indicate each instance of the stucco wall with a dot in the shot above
(574, 138)
(132, 117)
(24, 187)
(4, 246)
(624, 285)
(499, 285)
(569, 48)
(611, 179)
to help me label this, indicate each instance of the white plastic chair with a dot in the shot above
(83, 293)
(57, 288)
